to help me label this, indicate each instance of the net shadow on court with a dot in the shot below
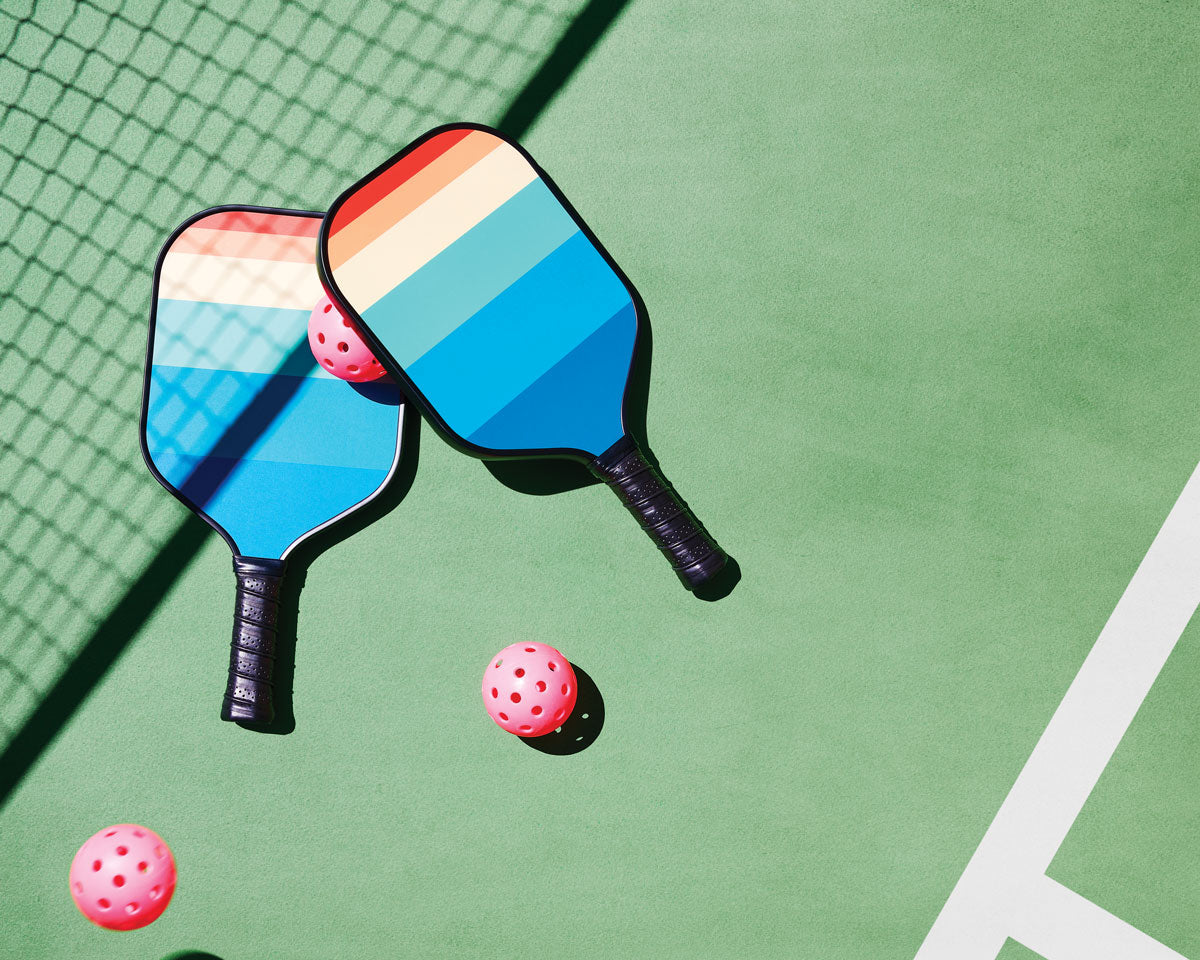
(122, 119)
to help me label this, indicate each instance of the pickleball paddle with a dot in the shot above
(479, 286)
(241, 423)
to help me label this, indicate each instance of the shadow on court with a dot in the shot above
(104, 646)
(191, 955)
(582, 727)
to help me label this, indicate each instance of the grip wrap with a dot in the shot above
(662, 513)
(250, 692)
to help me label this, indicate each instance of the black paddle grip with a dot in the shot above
(250, 693)
(666, 518)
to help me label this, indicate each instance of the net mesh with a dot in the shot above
(120, 120)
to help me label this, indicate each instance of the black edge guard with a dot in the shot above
(250, 693)
(666, 518)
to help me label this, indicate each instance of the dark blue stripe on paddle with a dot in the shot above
(577, 402)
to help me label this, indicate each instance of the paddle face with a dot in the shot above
(238, 420)
(476, 280)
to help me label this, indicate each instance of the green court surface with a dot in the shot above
(1014, 951)
(923, 288)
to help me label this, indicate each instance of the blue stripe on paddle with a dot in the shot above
(195, 412)
(519, 336)
(577, 402)
(266, 505)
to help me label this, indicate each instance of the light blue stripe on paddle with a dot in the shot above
(422, 310)
(195, 412)
(231, 336)
(518, 336)
(266, 505)
(577, 402)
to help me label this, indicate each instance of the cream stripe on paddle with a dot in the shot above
(256, 283)
(412, 242)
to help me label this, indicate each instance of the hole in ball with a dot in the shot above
(537, 711)
(103, 903)
(524, 728)
(541, 685)
(531, 649)
(78, 887)
(121, 851)
(320, 338)
(118, 881)
(500, 661)
(143, 867)
(344, 346)
(138, 833)
(353, 368)
(518, 672)
(131, 908)
(565, 689)
(160, 852)
(95, 864)
(552, 665)
(155, 892)
(495, 693)
(328, 307)
(514, 697)
(504, 717)
(328, 363)
(111, 833)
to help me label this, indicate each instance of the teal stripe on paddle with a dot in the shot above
(231, 336)
(431, 304)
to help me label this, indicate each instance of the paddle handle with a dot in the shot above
(250, 693)
(667, 519)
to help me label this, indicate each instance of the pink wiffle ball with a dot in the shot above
(529, 689)
(338, 346)
(123, 877)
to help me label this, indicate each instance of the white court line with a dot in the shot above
(992, 898)
(1060, 924)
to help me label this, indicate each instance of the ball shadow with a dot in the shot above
(580, 730)
(191, 955)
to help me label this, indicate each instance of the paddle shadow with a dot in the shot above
(582, 727)
(300, 560)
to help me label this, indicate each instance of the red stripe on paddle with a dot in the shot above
(371, 193)
(250, 221)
